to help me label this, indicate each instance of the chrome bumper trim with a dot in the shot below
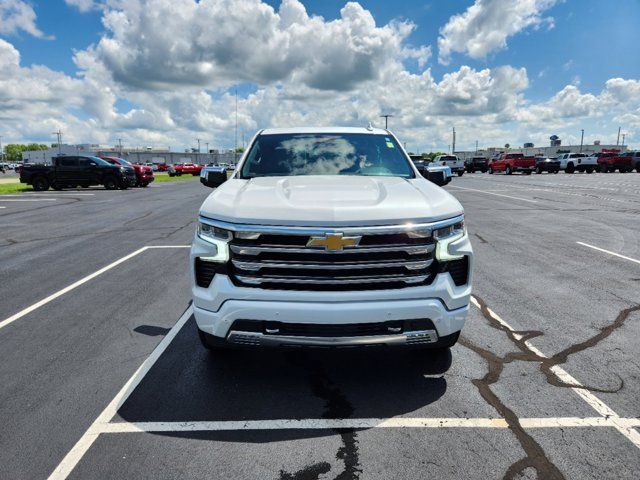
(256, 339)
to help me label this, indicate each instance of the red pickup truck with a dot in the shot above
(185, 168)
(611, 160)
(144, 174)
(512, 162)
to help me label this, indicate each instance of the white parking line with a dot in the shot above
(496, 194)
(354, 423)
(72, 458)
(83, 280)
(27, 199)
(28, 194)
(609, 252)
(593, 401)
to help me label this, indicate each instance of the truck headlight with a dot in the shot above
(218, 238)
(445, 237)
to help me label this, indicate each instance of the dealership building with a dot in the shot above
(133, 155)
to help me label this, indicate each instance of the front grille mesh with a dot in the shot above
(285, 262)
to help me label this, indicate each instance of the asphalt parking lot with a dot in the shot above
(103, 376)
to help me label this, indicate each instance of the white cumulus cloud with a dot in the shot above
(485, 26)
(16, 15)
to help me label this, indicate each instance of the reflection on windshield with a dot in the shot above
(325, 154)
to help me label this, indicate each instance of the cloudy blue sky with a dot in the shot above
(164, 72)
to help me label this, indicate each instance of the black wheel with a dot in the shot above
(471, 170)
(460, 173)
(570, 168)
(40, 184)
(490, 170)
(171, 174)
(144, 184)
(589, 170)
(507, 170)
(556, 171)
(123, 186)
(638, 167)
(527, 172)
(178, 174)
(604, 169)
(110, 183)
(57, 186)
(445, 343)
(213, 344)
(539, 170)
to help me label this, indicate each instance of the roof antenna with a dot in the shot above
(370, 126)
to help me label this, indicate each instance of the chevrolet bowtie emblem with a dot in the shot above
(333, 242)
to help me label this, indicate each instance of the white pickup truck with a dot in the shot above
(452, 161)
(577, 162)
(329, 237)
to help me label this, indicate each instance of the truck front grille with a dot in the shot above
(378, 261)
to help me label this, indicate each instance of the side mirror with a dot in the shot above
(439, 177)
(213, 179)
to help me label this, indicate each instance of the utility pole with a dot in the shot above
(1, 150)
(59, 135)
(235, 141)
(476, 146)
(386, 120)
(581, 138)
(453, 142)
(623, 135)
(207, 144)
(618, 140)
(120, 145)
(198, 140)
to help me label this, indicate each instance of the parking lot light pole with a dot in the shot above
(59, 135)
(386, 120)
(581, 139)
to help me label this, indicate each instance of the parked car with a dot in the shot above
(72, 171)
(144, 174)
(474, 164)
(612, 160)
(452, 161)
(185, 168)
(152, 166)
(546, 164)
(296, 249)
(577, 162)
(163, 167)
(512, 162)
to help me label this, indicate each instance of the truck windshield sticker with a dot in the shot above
(389, 144)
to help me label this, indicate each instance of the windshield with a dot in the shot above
(448, 158)
(325, 154)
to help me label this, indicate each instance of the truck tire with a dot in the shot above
(144, 184)
(539, 170)
(41, 184)
(638, 167)
(604, 169)
(178, 173)
(171, 174)
(57, 186)
(589, 170)
(460, 173)
(212, 344)
(490, 170)
(110, 183)
(570, 168)
(507, 170)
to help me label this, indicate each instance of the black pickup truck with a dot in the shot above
(477, 163)
(72, 171)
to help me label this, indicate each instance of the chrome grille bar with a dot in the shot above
(256, 250)
(332, 280)
(254, 266)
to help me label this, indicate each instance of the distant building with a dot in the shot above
(133, 155)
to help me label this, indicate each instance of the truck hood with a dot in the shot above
(331, 201)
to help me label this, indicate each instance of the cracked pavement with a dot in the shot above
(63, 363)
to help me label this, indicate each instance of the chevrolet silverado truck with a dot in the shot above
(452, 161)
(477, 163)
(144, 173)
(329, 237)
(72, 171)
(512, 162)
(612, 160)
(549, 165)
(577, 162)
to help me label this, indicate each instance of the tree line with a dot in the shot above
(13, 151)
